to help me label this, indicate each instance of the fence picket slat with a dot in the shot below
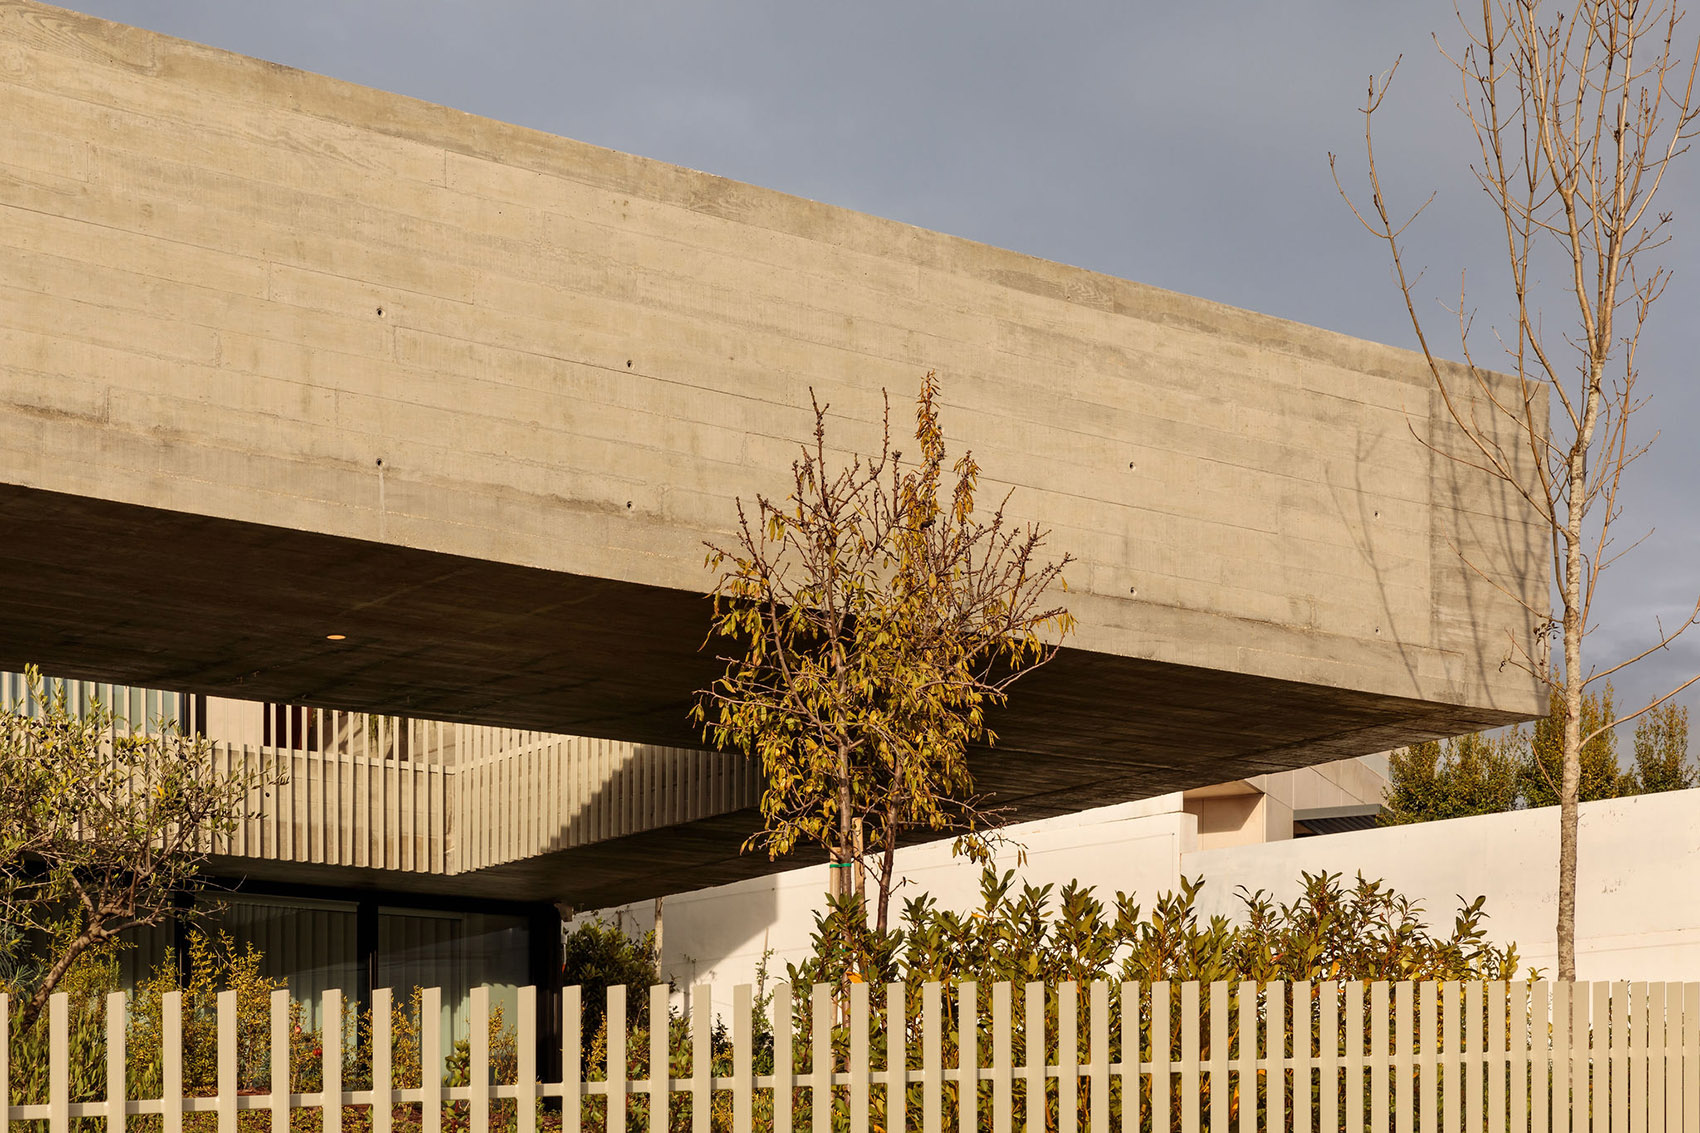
(1561, 1055)
(478, 1062)
(1540, 1056)
(1625, 1083)
(1275, 1048)
(1328, 1057)
(1494, 1055)
(1003, 1073)
(226, 1019)
(968, 1057)
(1246, 1063)
(572, 1059)
(1673, 1056)
(1130, 1057)
(1162, 1065)
(1691, 1056)
(1517, 1011)
(932, 1058)
(618, 1064)
(1653, 1056)
(525, 1027)
(1218, 1069)
(660, 1083)
(330, 1034)
(1068, 1057)
(383, 1076)
(1378, 1047)
(280, 1077)
(1560, 1091)
(431, 1059)
(1190, 1066)
(1475, 1083)
(702, 1066)
(896, 1058)
(820, 1058)
(1302, 1016)
(1632, 1047)
(1428, 1032)
(1354, 1056)
(743, 1059)
(784, 1058)
(5, 1061)
(1033, 1071)
(858, 1068)
(1404, 1056)
(1098, 1068)
(171, 1061)
(116, 1062)
(58, 1063)
(1582, 1100)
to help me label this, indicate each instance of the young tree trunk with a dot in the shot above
(846, 840)
(658, 929)
(86, 940)
(1569, 784)
(888, 868)
(1570, 780)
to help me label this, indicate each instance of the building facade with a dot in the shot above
(314, 395)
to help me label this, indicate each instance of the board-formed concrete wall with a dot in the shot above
(282, 356)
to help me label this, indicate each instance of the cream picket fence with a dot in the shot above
(1395, 1057)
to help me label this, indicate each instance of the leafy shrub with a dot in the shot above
(597, 956)
(216, 964)
(1330, 933)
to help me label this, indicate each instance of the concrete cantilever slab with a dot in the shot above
(281, 357)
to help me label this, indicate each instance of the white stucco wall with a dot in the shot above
(1639, 883)
(719, 935)
(1638, 879)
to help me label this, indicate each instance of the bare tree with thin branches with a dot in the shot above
(1578, 112)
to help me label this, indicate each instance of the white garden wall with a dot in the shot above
(1638, 879)
(1639, 902)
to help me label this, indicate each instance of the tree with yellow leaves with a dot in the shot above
(874, 618)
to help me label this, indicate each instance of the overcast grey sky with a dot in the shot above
(1181, 145)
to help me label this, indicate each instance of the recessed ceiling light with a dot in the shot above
(336, 637)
